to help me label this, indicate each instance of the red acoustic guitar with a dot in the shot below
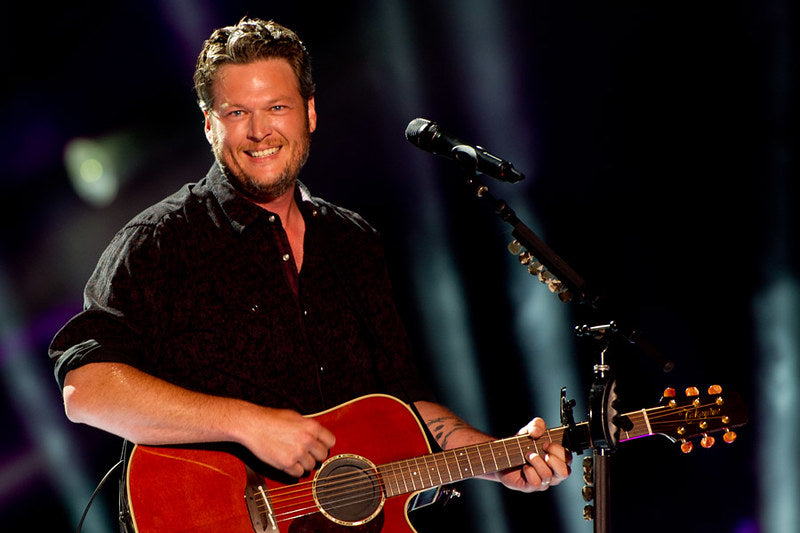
(381, 453)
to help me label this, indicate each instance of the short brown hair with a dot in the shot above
(248, 41)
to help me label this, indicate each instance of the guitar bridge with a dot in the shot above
(259, 505)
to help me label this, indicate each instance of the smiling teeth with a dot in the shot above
(266, 152)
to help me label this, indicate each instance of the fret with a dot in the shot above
(494, 459)
(647, 422)
(531, 446)
(438, 470)
(506, 456)
(461, 459)
(641, 424)
(521, 453)
(415, 474)
(430, 471)
(480, 456)
(403, 476)
(390, 482)
(447, 465)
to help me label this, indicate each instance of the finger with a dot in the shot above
(307, 462)
(318, 451)
(533, 479)
(535, 428)
(558, 467)
(542, 469)
(296, 470)
(326, 437)
(559, 459)
(558, 450)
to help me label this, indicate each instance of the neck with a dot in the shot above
(284, 206)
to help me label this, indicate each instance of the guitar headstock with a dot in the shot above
(697, 414)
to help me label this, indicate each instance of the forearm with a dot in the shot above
(144, 409)
(449, 430)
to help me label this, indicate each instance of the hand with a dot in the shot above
(288, 441)
(542, 471)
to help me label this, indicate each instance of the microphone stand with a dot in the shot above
(568, 286)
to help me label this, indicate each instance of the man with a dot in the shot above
(231, 309)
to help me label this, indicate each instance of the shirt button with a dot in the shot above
(286, 257)
(255, 308)
(271, 218)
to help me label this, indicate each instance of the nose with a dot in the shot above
(260, 126)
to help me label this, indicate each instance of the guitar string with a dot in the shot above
(438, 460)
(311, 506)
(656, 415)
(344, 485)
(344, 497)
(667, 412)
(402, 468)
(304, 496)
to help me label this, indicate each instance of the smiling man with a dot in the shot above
(238, 306)
(260, 127)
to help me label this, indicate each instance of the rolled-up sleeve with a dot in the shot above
(120, 309)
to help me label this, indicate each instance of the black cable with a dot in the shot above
(96, 491)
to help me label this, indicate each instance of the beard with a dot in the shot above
(261, 191)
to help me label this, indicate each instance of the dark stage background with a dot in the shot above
(657, 140)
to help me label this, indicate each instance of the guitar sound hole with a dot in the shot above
(348, 490)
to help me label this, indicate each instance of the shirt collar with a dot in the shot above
(241, 212)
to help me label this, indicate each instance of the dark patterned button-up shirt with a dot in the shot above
(201, 290)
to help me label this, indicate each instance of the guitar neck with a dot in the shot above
(427, 471)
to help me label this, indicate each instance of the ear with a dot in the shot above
(312, 115)
(207, 126)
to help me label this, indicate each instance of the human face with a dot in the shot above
(260, 127)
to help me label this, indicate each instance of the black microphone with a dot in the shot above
(430, 137)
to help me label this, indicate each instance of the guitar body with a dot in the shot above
(202, 489)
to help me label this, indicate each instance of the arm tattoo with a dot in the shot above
(443, 427)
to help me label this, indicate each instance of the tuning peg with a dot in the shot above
(525, 258)
(707, 441)
(714, 389)
(692, 391)
(588, 513)
(588, 493)
(535, 268)
(545, 276)
(588, 467)
(555, 285)
(686, 446)
(669, 392)
(565, 296)
(515, 247)
(729, 436)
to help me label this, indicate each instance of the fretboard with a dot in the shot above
(427, 471)
(424, 472)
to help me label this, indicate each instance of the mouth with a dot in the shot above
(266, 152)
